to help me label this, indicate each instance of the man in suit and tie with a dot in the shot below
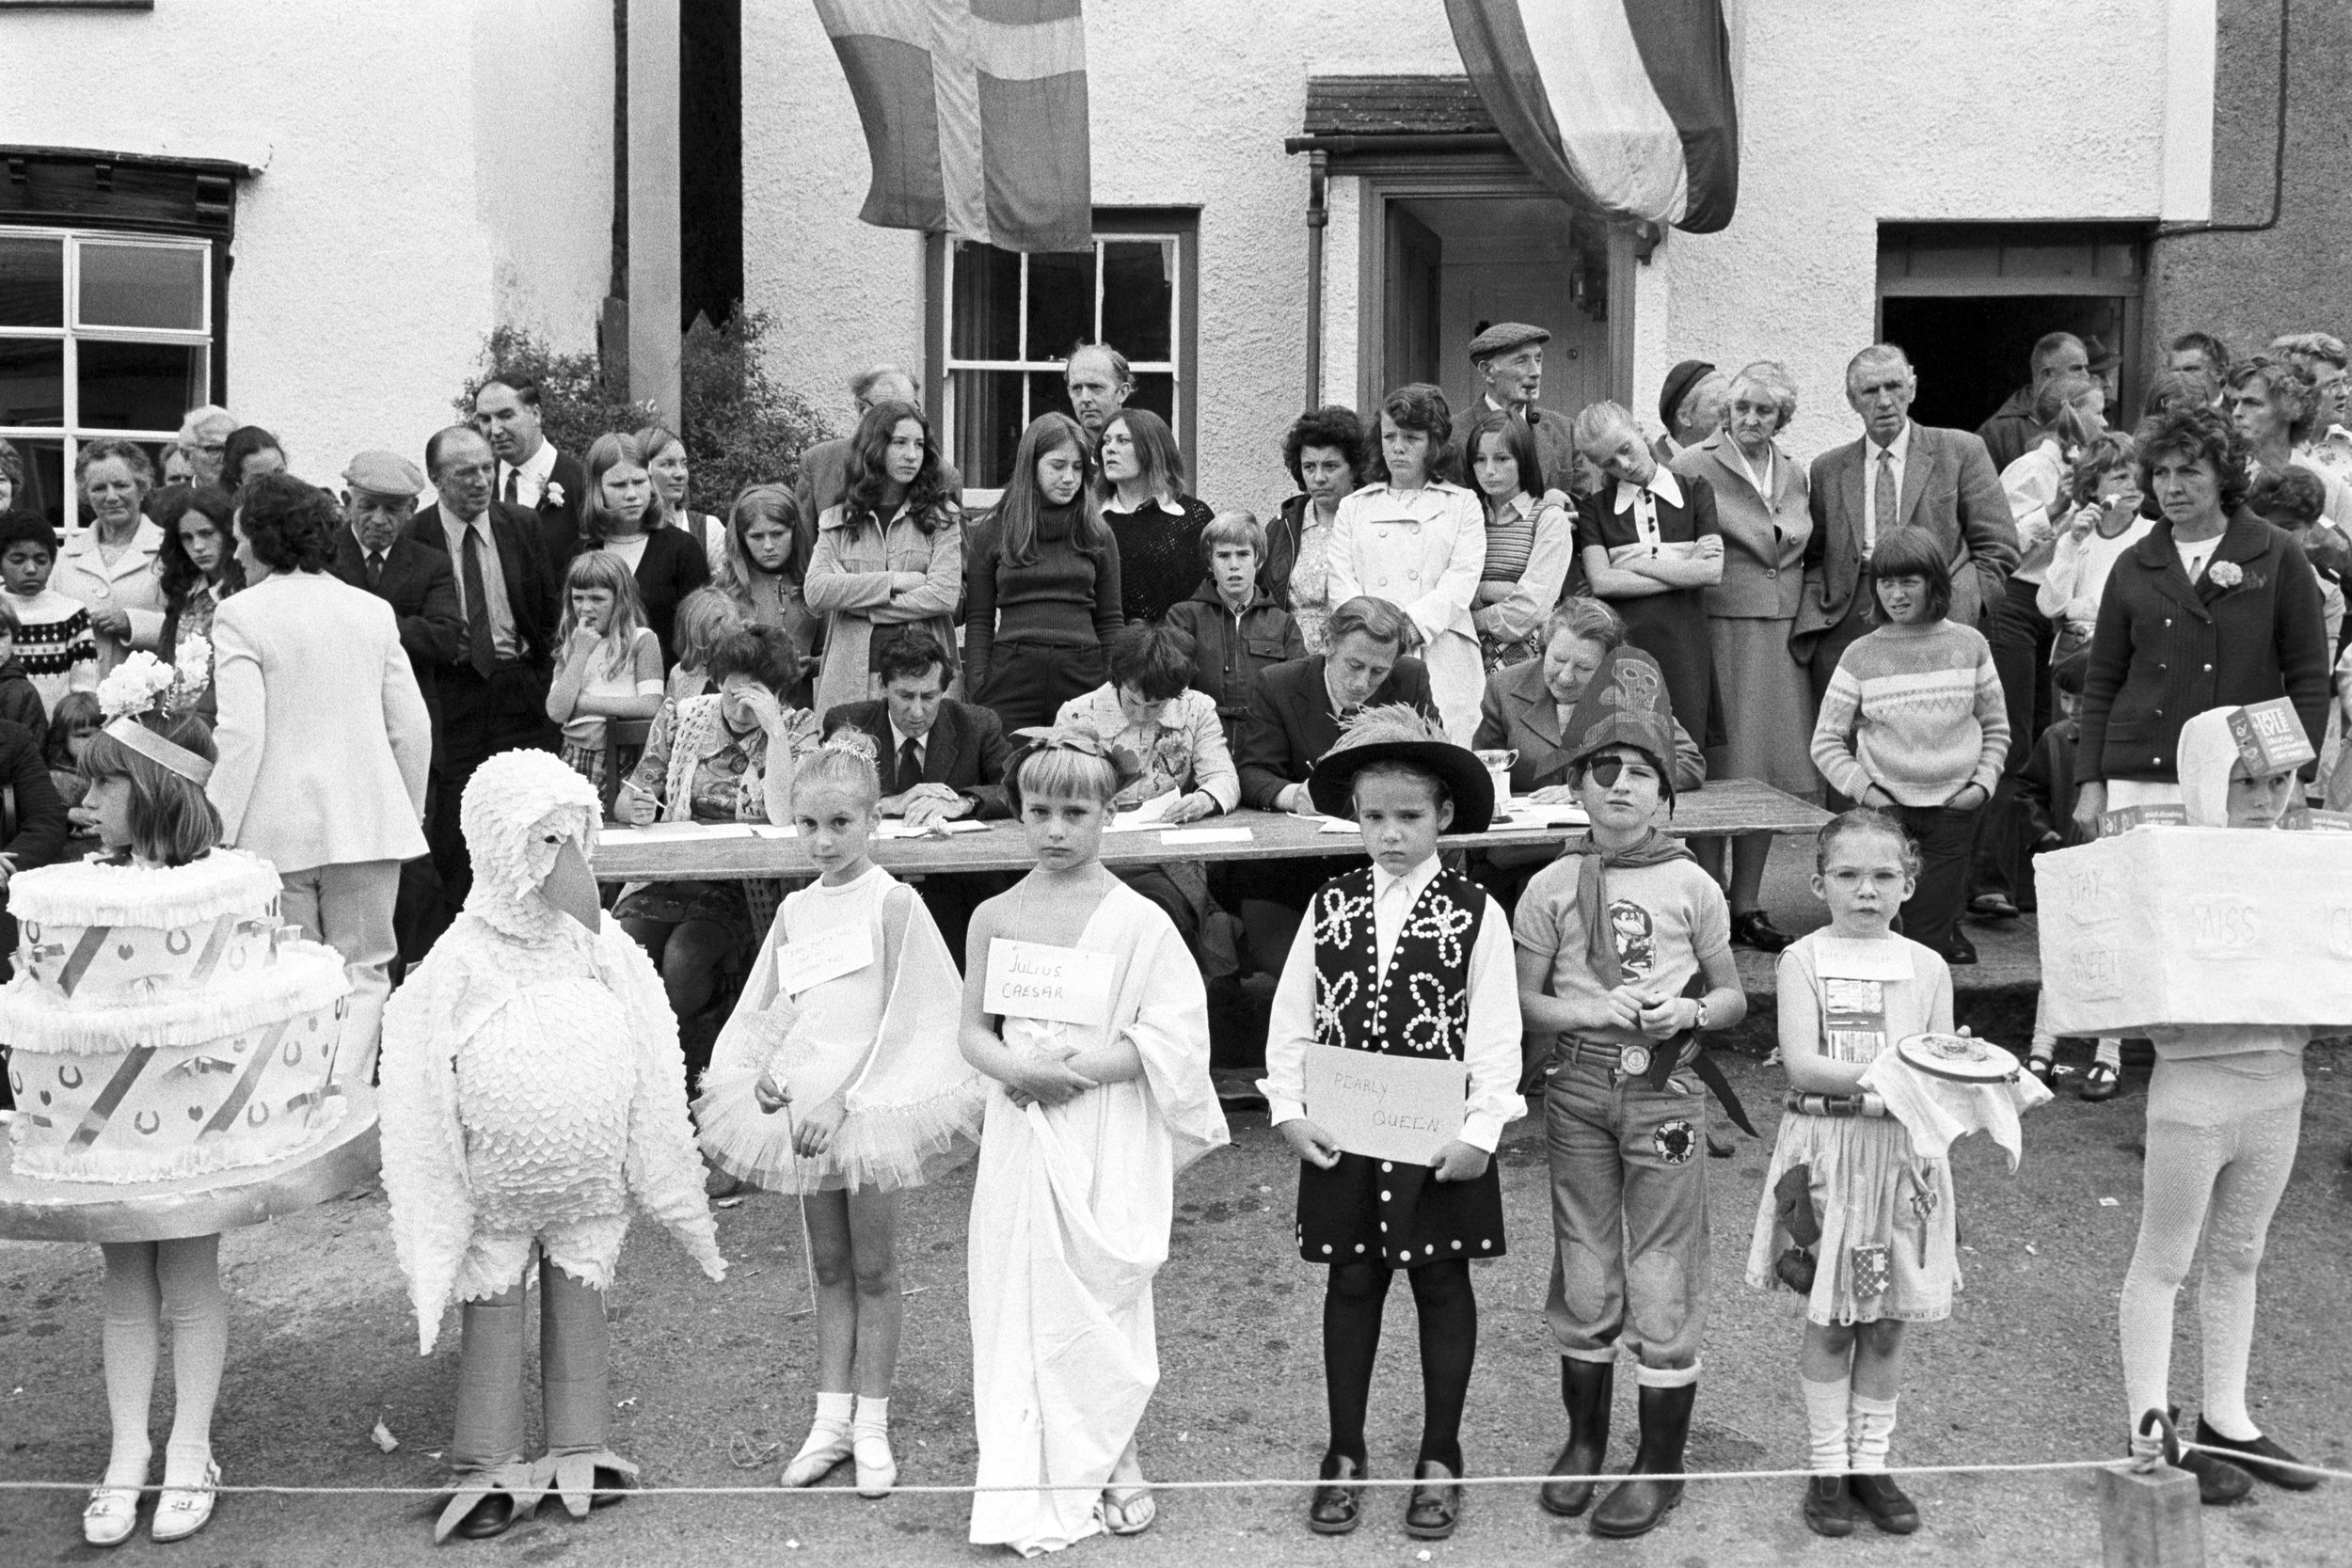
(1898, 475)
(532, 474)
(1295, 715)
(494, 690)
(373, 553)
(941, 761)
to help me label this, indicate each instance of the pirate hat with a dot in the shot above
(1398, 734)
(1625, 704)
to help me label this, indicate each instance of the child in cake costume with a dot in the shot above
(173, 1053)
(2225, 1116)
(839, 1078)
(1401, 959)
(1082, 1005)
(533, 1097)
(1857, 1215)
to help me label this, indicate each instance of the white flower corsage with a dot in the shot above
(552, 495)
(2225, 574)
(143, 683)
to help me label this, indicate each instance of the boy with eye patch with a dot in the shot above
(1624, 957)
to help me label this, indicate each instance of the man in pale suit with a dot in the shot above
(1898, 475)
(325, 744)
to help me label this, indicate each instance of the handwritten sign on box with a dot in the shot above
(1386, 1108)
(1062, 985)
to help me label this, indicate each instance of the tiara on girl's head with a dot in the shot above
(143, 685)
(155, 749)
(856, 742)
(1061, 738)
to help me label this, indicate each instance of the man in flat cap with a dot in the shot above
(1690, 406)
(1509, 357)
(373, 552)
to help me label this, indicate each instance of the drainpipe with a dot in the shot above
(1318, 219)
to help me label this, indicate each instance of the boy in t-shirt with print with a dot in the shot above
(1624, 958)
(54, 639)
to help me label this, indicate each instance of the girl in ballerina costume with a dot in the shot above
(838, 1079)
(533, 1097)
(1101, 1094)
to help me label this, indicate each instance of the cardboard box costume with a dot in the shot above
(534, 1098)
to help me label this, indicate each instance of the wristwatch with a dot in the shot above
(1700, 1022)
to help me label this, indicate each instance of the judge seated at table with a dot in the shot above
(1526, 709)
(1295, 710)
(941, 761)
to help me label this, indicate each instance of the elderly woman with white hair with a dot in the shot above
(203, 441)
(1765, 698)
(1651, 547)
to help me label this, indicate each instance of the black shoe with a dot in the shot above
(1336, 1509)
(1993, 906)
(2259, 1457)
(1886, 1504)
(1635, 1506)
(2099, 1083)
(1585, 1388)
(490, 1516)
(2219, 1482)
(1432, 1512)
(1755, 930)
(1828, 1511)
(1961, 950)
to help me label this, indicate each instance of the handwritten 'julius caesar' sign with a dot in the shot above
(1062, 985)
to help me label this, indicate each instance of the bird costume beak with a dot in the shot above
(571, 886)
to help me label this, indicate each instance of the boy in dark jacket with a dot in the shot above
(19, 703)
(1236, 628)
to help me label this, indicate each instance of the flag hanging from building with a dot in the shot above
(975, 114)
(1629, 104)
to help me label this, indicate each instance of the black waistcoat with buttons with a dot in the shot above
(1421, 1006)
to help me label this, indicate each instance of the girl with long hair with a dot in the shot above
(755, 569)
(1141, 483)
(892, 554)
(609, 665)
(626, 514)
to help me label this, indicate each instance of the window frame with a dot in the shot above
(1111, 226)
(70, 432)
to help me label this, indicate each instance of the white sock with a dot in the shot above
(832, 1413)
(873, 1415)
(1874, 1433)
(2109, 1052)
(1825, 1423)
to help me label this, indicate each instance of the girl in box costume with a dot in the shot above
(1087, 1124)
(2225, 1114)
(1402, 957)
(860, 1048)
(534, 1096)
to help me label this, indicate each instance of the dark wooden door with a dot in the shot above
(1416, 262)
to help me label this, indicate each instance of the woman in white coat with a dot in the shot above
(323, 739)
(111, 565)
(1414, 539)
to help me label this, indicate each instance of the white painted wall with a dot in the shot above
(1854, 113)
(432, 169)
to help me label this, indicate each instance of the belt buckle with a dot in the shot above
(1633, 1060)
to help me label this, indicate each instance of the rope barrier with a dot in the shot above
(1252, 1484)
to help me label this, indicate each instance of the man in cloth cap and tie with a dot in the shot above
(1509, 358)
(1625, 962)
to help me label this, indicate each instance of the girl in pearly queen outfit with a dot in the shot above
(838, 1079)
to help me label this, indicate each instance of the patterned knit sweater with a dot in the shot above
(56, 645)
(1915, 710)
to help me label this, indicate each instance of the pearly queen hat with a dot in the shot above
(1398, 734)
(1625, 704)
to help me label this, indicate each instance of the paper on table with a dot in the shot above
(763, 829)
(1336, 824)
(1564, 814)
(653, 831)
(1151, 813)
(1207, 835)
(1386, 1108)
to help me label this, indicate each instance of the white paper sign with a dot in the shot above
(1063, 985)
(1386, 1108)
(811, 961)
(1848, 959)
(1206, 835)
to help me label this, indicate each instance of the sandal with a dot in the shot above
(2101, 1082)
(1134, 1515)
(110, 1515)
(2041, 1067)
(182, 1511)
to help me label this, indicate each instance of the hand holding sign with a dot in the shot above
(1311, 1142)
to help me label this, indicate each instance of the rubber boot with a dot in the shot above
(1587, 1388)
(575, 1394)
(1635, 1506)
(485, 1450)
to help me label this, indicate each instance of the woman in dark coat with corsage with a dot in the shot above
(2214, 608)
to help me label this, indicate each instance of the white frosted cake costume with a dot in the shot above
(164, 1024)
(534, 1097)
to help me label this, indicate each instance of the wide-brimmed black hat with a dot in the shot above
(1625, 703)
(1399, 734)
